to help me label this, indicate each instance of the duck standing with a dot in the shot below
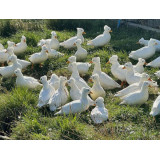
(46, 92)
(70, 42)
(102, 39)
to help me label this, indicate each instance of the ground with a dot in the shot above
(21, 119)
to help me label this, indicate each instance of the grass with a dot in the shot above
(20, 119)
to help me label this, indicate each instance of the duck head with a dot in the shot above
(107, 29)
(128, 66)
(43, 79)
(71, 82)
(63, 80)
(18, 72)
(54, 35)
(12, 59)
(95, 60)
(71, 59)
(99, 102)
(23, 39)
(94, 78)
(152, 42)
(141, 61)
(44, 49)
(113, 59)
(78, 42)
(80, 31)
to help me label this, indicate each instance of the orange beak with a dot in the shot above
(84, 33)
(24, 40)
(90, 62)
(90, 80)
(68, 62)
(15, 45)
(13, 75)
(110, 31)
(47, 51)
(94, 104)
(149, 79)
(145, 63)
(108, 62)
(124, 67)
(74, 44)
(90, 92)
(55, 37)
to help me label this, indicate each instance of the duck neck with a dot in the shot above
(144, 89)
(97, 68)
(84, 97)
(46, 85)
(79, 46)
(115, 64)
(75, 72)
(96, 83)
(105, 32)
(74, 86)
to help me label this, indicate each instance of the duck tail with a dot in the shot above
(89, 43)
(61, 44)
(58, 113)
(117, 95)
(149, 64)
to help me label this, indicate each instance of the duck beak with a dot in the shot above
(24, 40)
(84, 33)
(156, 43)
(55, 37)
(108, 62)
(110, 31)
(149, 79)
(68, 62)
(90, 80)
(47, 51)
(91, 92)
(124, 67)
(8, 61)
(15, 45)
(137, 43)
(90, 62)
(14, 75)
(74, 44)
(145, 63)
(94, 104)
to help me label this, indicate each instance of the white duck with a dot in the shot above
(53, 42)
(1, 47)
(97, 90)
(81, 53)
(24, 63)
(139, 67)
(102, 39)
(38, 58)
(156, 107)
(82, 67)
(76, 106)
(133, 87)
(25, 81)
(137, 98)
(144, 52)
(144, 42)
(70, 42)
(61, 95)
(75, 92)
(155, 63)
(99, 114)
(51, 52)
(54, 81)
(157, 74)
(80, 82)
(19, 48)
(131, 75)
(3, 56)
(46, 92)
(106, 81)
(8, 71)
(117, 69)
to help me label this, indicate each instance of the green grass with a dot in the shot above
(20, 119)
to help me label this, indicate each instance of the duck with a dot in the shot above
(155, 63)
(51, 52)
(70, 42)
(25, 81)
(144, 52)
(99, 114)
(134, 87)
(105, 80)
(156, 107)
(157, 74)
(81, 53)
(102, 39)
(76, 106)
(19, 48)
(38, 58)
(117, 69)
(53, 42)
(54, 81)
(75, 92)
(80, 82)
(61, 95)
(144, 42)
(1, 47)
(97, 90)
(82, 67)
(23, 63)
(46, 92)
(139, 67)
(137, 98)
(3, 57)
(8, 71)
(131, 75)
